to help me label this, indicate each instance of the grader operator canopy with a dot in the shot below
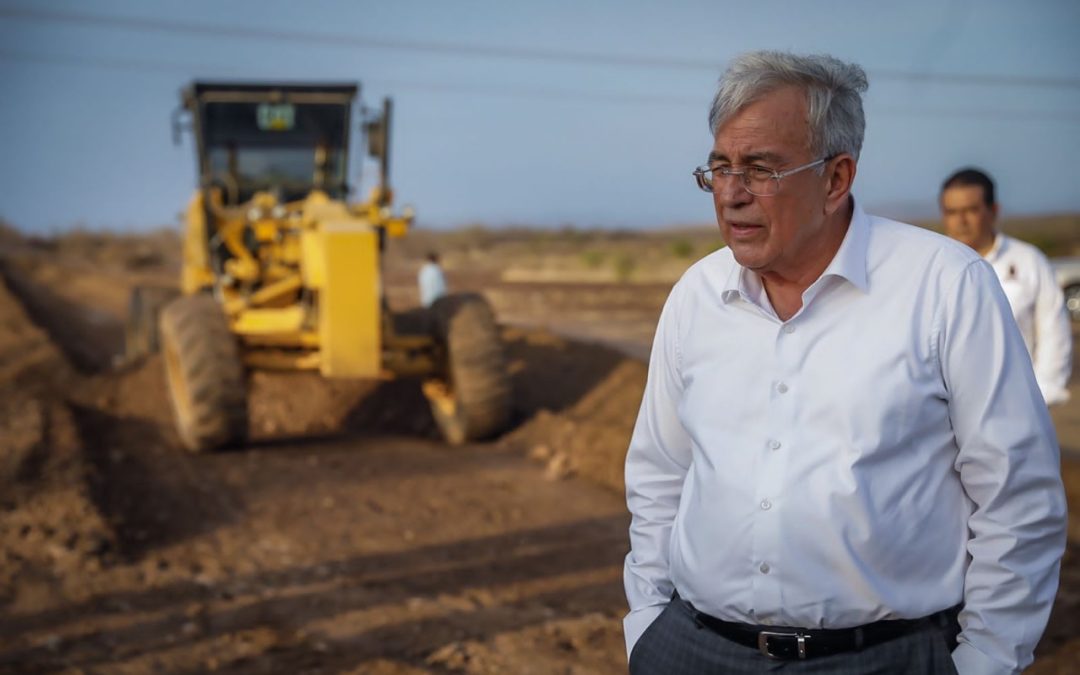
(282, 272)
(285, 139)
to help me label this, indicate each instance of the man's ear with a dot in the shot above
(841, 174)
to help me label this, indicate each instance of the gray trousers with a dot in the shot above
(675, 644)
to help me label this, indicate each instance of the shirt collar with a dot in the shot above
(849, 263)
(997, 249)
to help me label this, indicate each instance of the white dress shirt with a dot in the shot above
(1038, 305)
(432, 283)
(825, 471)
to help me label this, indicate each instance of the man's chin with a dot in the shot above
(966, 241)
(746, 257)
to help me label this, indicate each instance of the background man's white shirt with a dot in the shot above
(432, 283)
(1038, 306)
(825, 471)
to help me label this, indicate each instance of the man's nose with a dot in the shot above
(729, 191)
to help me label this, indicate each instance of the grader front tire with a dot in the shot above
(141, 336)
(205, 374)
(472, 400)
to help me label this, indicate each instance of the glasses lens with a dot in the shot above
(755, 180)
(760, 181)
(704, 178)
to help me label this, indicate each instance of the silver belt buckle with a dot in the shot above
(763, 643)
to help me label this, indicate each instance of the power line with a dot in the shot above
(367, 42)
(561, 94)
(1072, 117)
(990, 80)
(549, 93)
(119, 64)
(488, 51)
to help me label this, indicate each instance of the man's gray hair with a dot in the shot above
(833, 95)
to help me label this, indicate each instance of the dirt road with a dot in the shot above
(345, 538)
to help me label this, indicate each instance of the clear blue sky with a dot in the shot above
(589, 113)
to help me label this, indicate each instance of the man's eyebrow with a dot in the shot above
(753, 158)
(765, 157)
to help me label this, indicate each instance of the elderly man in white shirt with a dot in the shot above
(969, 210)
(842, 458)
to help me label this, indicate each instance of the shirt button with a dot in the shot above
(764, 568)
(789, 329)
(774, 445)
(766, 505)
(782, 388)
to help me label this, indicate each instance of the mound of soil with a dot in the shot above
(589, 437)
(51, 530)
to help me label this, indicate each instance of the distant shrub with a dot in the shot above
(593, 258)
(539, 243)
(8, 232)
(573, 235)
(682, 248)
(143, 257)
(624, 267)
(475, 235)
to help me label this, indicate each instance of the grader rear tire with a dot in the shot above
(141, 337)
(205, 374)
(474, 397)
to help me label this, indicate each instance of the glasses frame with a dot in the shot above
(706, 185)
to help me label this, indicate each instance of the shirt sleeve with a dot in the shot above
(1009, 467)
(1053, 337)
(656, 465)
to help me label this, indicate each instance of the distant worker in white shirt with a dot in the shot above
(431, 280)
(969, 209)
(842, 459)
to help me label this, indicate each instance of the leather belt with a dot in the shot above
(788, 643)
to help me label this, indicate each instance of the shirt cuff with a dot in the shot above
(637, 622)
(1056, 397)
(970, 661)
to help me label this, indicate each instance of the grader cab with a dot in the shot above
(281, 271)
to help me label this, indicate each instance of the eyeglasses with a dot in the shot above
(757, 180)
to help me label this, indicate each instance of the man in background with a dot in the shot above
(431, 280)
(969, 210)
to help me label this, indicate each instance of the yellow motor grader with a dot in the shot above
(280, 271)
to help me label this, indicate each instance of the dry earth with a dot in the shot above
(345, 538)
